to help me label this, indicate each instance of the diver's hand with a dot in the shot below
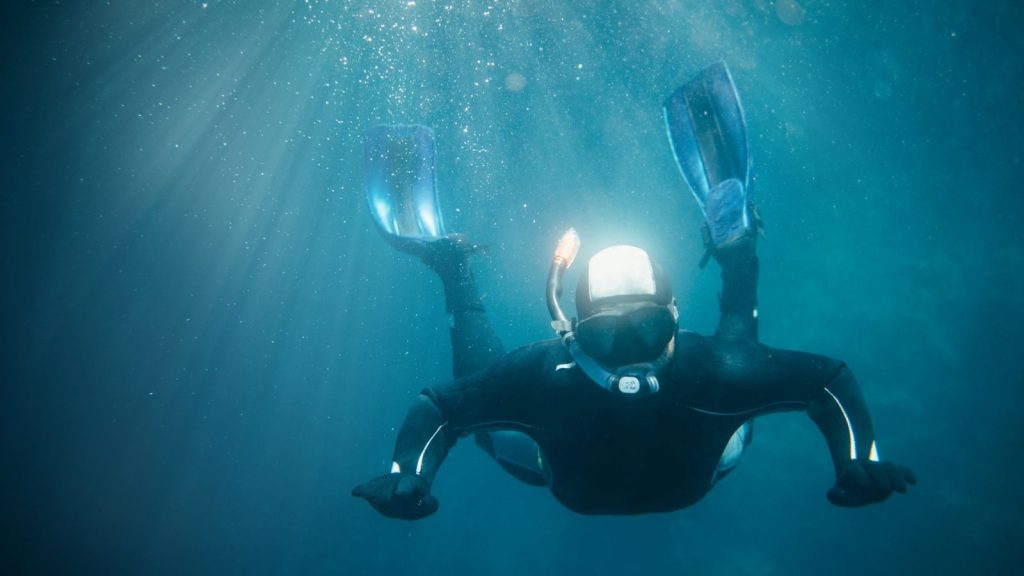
(863, 482)
(404, 496)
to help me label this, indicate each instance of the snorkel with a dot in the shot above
(565, 254)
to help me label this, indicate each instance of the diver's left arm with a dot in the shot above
(828, 391)
(841, 414)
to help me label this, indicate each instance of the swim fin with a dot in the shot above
(401, 185)
(708, 134)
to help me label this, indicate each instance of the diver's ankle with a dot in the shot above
(449, 257)
(739, 252)
(461, 294)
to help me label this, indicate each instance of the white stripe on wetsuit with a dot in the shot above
(419, 462)
(849, 427)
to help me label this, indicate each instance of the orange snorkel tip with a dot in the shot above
(568, 247)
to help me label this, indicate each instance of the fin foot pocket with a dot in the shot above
(726, 212)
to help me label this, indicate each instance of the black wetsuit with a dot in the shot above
(611, 453)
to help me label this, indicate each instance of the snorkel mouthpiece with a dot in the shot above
(565, 254)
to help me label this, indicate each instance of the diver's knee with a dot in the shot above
(517, 454)
(734, 450)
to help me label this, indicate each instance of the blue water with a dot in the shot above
(206, 344)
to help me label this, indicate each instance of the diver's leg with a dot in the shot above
(475, 345)
(733, 452)
(738, 301)
(738, 321)
(517, 454)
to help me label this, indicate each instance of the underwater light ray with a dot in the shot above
(262, 194)
(102, 138)
(155, 199)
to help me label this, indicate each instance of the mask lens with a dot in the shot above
(636, 336)
(597, 335)
(652, 326)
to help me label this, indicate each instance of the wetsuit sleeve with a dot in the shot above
(752, 379)
(839, 411)
(422, 442)
(503, 395)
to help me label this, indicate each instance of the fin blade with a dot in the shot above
(400, 179)
(707, 130)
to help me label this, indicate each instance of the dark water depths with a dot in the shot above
(207, 345)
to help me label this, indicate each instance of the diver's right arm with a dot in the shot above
(421, 447)
(437, 418)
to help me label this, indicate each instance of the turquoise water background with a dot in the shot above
(207, 344)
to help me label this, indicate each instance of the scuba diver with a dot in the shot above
(623, 412)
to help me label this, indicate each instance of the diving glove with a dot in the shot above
(863, 482)
(404, 496)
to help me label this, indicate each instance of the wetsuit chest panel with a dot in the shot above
(608, 453)
(612, 454)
